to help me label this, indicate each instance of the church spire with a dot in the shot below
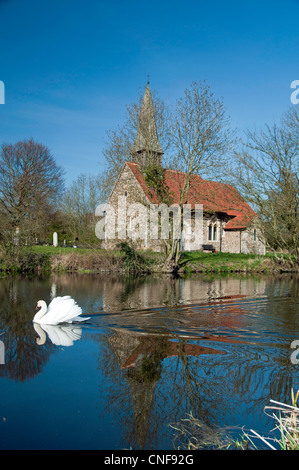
(146, 147)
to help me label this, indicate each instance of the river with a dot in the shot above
(155, 351)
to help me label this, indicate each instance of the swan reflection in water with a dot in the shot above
(60, 335)
(56, 321)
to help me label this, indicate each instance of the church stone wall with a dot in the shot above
(126, 187)
(227, 241)
(252, 241)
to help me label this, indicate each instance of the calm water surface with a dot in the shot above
(155, 350)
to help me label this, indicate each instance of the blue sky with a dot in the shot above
(70, 67)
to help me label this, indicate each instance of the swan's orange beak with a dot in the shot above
(36, 307)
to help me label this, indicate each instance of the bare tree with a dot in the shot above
(266, 172)
(120, 141)
(30, 182)
(78, 205)
(203, 141)
(202, 136)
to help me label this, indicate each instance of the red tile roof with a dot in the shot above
(214, 196)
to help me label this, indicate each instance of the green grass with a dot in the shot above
(59, 250)
(69, 259)
(218, 257)
(88, 260)
(226, 262)
(16, 259)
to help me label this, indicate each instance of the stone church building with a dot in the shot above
(227, 222)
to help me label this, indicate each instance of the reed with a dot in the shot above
(286, 418)
(194, 434)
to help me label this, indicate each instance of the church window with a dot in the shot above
(212, 234)
(215, 233)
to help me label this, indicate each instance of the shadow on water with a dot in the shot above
(165, 347)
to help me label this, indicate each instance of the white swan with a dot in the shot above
(60, 310)
(60, 335)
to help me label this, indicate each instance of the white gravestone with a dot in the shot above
(55, 239)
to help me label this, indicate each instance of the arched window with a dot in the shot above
(215, 233)
(212, 232)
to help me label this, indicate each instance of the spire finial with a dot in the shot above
(148, 75)
(147, 143)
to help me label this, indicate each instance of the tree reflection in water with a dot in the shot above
(23, 358)
(216, 348)
(165, 377)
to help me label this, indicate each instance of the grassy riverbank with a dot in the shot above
(68, 259)
(234, 262)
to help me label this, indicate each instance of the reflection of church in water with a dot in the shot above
(141, 357)
(141, 354)
(150, 292)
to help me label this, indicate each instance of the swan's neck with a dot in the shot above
(42, 335)
(41, 312)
